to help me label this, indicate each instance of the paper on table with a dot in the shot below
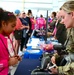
(34, 42)
(36, 47)
(33, 51)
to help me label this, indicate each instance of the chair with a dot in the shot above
(41, 70)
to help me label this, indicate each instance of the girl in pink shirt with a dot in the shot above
(7, 54)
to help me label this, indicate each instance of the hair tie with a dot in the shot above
(10, 14)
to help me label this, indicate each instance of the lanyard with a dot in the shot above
(6, 47)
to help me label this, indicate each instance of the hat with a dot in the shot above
(17, 11)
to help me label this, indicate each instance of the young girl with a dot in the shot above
(7, 55)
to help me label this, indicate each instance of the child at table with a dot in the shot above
(7, 54)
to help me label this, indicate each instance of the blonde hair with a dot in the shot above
(68, 6)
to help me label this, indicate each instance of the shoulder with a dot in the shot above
(70, 32)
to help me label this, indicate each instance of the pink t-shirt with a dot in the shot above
(5, 49)
(18, 24)
(40, 22)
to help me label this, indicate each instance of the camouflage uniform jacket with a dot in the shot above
(68, 69)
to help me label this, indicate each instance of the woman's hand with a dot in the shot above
(49, 34)
(54, 70)
(24, 26)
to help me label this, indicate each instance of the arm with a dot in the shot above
(24, 26)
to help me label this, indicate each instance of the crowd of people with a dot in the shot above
(16, 29)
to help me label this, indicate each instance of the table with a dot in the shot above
(33, 51)
(33, 41)
(29, 55)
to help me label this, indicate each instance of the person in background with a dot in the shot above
(18, 31)
(53, 15)
(27, 18)
(41, 22)
(7, 53)
(53, 21)
(67, 14)
(59, 30)
(25, 23)
(30, 13)
(33, 22)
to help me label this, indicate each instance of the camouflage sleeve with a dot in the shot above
(70, 44)
(67, 69)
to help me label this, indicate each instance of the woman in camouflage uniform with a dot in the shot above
(67, 14)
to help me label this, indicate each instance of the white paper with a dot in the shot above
(33, 51)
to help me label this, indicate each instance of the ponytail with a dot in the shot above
(6, 16)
